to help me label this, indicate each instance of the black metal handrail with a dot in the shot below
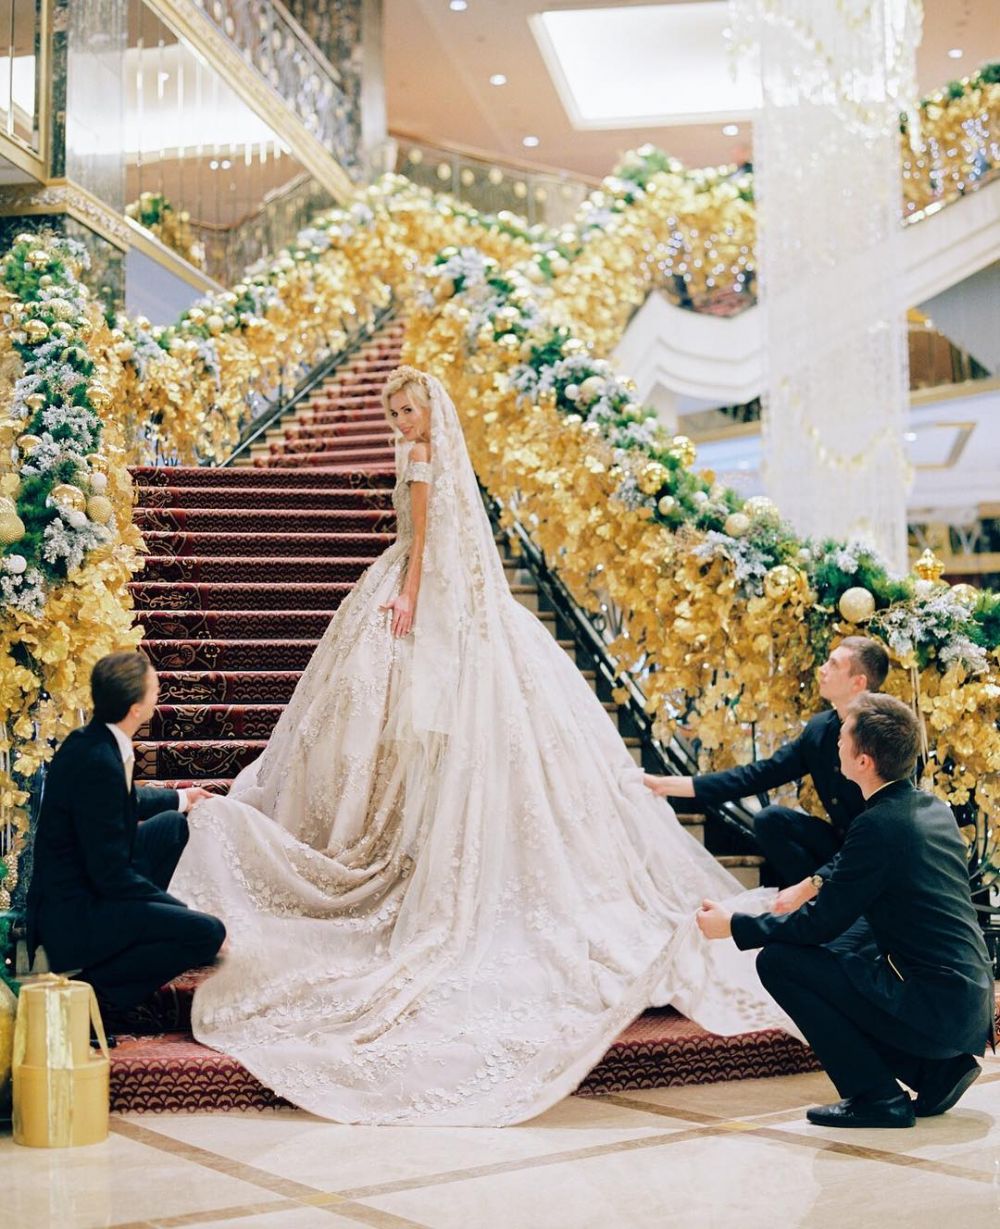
(312, 380)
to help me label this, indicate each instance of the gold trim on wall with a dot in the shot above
(189, 23)
(63, 196)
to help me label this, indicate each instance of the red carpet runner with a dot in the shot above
(247, 565)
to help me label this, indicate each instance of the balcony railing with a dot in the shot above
(276, 46)
(539, 195)
(229, 250)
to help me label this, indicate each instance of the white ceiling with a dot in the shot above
(439, 62)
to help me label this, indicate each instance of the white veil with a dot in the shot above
(462, 578)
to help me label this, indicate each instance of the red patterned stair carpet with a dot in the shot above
(246, 567)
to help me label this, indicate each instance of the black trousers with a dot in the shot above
(862, 1048)
(157, 941)
(795, 845)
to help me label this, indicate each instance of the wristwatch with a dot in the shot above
(817, 881)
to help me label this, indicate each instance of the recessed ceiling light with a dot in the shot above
(731, 130)
(956, 53)
(530, 142)
(458, 6)
(910, 436)
(214, 164)
(498, 79)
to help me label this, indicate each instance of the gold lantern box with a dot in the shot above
(61, 1087)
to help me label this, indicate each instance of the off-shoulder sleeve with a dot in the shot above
(418, 471)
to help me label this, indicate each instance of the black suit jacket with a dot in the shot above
(83, 850)
(903, 869)
(813, 754)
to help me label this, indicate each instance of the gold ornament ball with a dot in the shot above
(69, 496)
(37, 330)
(62, 309)
(652, 477)
(761, 507)
(666, 505)
(36, 401)
(857, 605)
(779, 582)
(99, 396)
(737, 524)
(11, 528)
(27, 441)
(966, 595)
(7, 506)
(99, 509)
(63, 329)
(684, 450)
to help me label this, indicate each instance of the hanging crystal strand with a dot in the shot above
(834, 78)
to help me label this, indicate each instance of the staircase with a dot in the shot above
(246, 567)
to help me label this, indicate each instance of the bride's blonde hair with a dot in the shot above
(411, 379)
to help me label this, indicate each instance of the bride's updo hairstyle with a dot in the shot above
(415, 383)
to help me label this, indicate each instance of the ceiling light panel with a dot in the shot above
(644, 65)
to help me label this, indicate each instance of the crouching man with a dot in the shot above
(886, 970)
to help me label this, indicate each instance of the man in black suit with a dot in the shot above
(886, 972)
(105, 852)
(797, 846)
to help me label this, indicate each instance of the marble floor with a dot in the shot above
(716, 1155)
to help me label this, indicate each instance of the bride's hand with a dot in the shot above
(402, 614)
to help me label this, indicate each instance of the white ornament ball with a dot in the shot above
(572, 392)
(857, 604)
(700, 497)
(737, 524)
(98, 483)
(75, 518)
(16, 564)
(591, 388)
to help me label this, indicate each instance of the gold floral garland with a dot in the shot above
(730, 663)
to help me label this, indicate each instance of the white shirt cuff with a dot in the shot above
(183, 801)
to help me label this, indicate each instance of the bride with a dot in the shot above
(445, 886)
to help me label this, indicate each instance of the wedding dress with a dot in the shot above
(445, 886)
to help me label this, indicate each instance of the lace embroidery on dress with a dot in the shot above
(445, 887)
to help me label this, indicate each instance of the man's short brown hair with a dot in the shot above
(870, 659)
(117, 682)
(886, 730)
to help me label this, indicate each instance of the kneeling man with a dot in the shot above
(98, 899)
(886, 971)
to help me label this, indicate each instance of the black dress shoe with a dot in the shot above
(865, 1112)
(945, 1084)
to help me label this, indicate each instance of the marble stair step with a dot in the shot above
(268, 520)
(278, 498)
(198, 686)
(249, 569)
(273, 476)
(241, 597)
(299, 545)
(229, 656)
(262, 459)
(234, 625)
